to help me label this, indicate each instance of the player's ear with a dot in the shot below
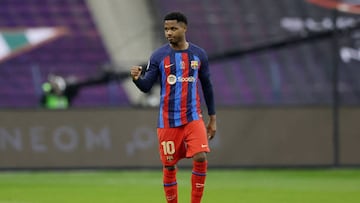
(184, 26)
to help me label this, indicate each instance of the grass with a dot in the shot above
(222, 186)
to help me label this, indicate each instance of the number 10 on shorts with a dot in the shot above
(168, 147)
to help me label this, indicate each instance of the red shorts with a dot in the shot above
(182, 142)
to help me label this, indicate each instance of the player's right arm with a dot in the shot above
(144, 83)
(135, 72)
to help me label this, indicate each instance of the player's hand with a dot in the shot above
(135, 72)
(211, 127)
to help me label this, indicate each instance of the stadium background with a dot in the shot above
(286, 82)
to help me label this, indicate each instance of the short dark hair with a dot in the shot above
(180, 17)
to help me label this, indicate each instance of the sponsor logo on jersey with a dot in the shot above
(186, 79)
(172, 79)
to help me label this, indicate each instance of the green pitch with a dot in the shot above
(223, 186)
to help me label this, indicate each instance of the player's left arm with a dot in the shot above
(207, 88)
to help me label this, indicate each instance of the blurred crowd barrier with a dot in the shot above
(126, 138)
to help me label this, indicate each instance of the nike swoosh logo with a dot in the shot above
(168, 66)
(203, 145)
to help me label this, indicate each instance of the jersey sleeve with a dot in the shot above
(145, 82)
(206, 84)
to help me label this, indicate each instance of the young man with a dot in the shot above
(180, 65)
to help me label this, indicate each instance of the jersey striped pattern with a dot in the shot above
(180, 101)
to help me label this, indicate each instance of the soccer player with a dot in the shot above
(180, 66)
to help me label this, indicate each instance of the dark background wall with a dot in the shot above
(123, 138)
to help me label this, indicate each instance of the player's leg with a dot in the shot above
(197, 147)
(198, 177)
(171, 149)
(170, 184)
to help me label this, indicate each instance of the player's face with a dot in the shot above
(174, 31)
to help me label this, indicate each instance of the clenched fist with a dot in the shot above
(135, 72)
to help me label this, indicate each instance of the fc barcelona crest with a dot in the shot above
(194, 64)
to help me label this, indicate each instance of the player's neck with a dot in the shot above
(180, 46)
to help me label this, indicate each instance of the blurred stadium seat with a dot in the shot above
(259, 73)
(80, 54)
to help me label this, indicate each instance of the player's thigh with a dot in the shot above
(196, 138)
(171, 145)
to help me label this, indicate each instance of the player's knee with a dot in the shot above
(170, 168)
(200, 157)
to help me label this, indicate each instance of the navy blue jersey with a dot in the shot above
(179, 72)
